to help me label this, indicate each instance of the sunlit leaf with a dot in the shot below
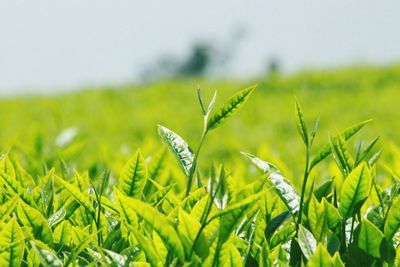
(159, 223)
(347, 134)
(147, 247)
(35, 222)
(320, 258)
(11, 244)
(370, 238)
(229, 108)
(301, 125)
(133, 176)
(355, 190)
(77, 195)
(392, 223)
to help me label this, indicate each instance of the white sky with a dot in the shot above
(53, 45)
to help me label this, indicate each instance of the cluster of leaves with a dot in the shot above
(72, 219)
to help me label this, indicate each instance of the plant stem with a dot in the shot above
(196, 155)
(303, 189)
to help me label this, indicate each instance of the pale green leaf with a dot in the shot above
(307, 242)
(282, 186)
(179, 147)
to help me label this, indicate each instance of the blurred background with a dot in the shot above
(48, 46)
(88, 81)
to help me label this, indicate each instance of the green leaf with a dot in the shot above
(336, 261)
(147, 247)
(355, 190)
(231, 216)
(317, 218)
(326, 150)
(275, 223)
(11, 244)
(7, 166)
(392, 223)
(7, 207)
(301, 125)
(307, 242)
(157, 164)
(229, 256)
(346, 163)
(161, 224)
(282, 236)
(189, 227)
(320, 258)
(201, 102)
(229, 108)
(282, 186)
(127, 212)
(324, 190)
(370, 238)
(314, 130)
(133, 176)
(374, 158)
(212, 102)
(77, 195)
(366, 151)
(332, 213)
(14, 188)
(62, 233)
(264, 260)
(35, 222)
(179, 147)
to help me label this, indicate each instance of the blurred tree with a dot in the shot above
(204, 57)
(197, 62)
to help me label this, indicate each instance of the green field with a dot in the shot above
(114, 122)
(55, 207)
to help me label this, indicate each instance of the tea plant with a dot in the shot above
(71, 219)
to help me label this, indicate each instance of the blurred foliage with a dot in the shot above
(110, 124)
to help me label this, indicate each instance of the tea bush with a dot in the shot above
(148, 216)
